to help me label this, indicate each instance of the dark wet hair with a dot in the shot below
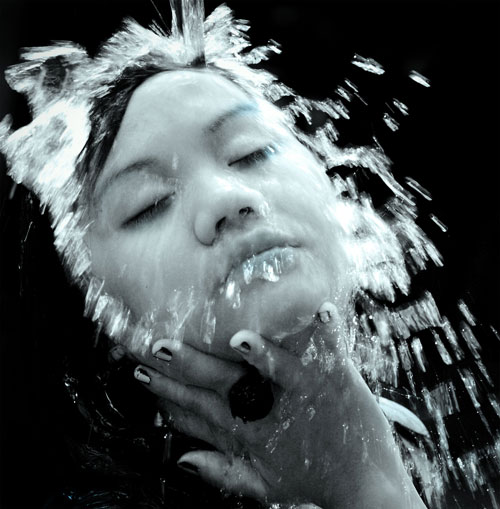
(122, 466)
(106, 115)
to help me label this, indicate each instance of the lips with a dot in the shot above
(255, 246)
(267, 265)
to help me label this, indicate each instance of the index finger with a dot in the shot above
(182, 362)
(283, 367)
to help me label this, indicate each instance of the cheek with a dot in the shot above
(308, 200)
(304, 184)
(147, 274)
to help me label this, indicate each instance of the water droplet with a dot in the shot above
(311, 412)
(466, 312)
(390, 122)
(439, 223)
(443, 352)
(367, 64)
(418, 352)
(421, 190)
(420, 79)
(400, 106)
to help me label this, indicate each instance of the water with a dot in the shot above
(386, 341)
(420, 79)
(367, 64)
(442, 364)
(266, 266)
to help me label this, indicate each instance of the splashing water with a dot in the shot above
(266, 266)
(368, 64)
(401, 107)
(420, 79)
(392, 124)
(386, 247)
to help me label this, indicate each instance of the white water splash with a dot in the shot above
(367, 64)
(386, 246)
(420, 79)
(390, 122)
(438, 222)
(401, 107)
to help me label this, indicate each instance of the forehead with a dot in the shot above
(169, 108)
(185, 96)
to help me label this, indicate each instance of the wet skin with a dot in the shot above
(200, 177)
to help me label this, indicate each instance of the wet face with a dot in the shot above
(209, 213)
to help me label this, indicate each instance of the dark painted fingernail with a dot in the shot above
(326, 312)
(160, 351)
(142, 375)
(164, 354)
(116, 353)
(243, 347)
(188, 467)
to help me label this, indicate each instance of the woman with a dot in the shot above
(207, 249)
(232, 204)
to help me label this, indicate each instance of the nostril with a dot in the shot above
(222, 223)
(245, 211)
(219, 226)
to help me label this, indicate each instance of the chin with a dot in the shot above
(277, 311)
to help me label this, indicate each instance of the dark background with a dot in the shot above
(449, 143)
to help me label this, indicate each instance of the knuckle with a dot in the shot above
(269, 361)
(161, 367)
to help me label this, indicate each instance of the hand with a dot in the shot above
(325, 440)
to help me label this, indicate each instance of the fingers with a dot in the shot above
(232, 474)
(271, 361)
(186, 364)
(283, 367)
(204, 403)
(196, 427)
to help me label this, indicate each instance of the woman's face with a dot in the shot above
(208, 212)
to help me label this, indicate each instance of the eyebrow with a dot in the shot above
(136, 166)
(148, 163)
(240, 109)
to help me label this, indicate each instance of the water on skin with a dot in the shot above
(382, 336)
(268, 266)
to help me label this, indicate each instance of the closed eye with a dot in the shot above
(255, 157)
(149, 213)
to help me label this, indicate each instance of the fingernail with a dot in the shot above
(242, 347)
(326, 311)
(158, 420)
(188, 467)
(142, 375)
(160, 351)
(116, 353)
(164, 354)
(324, 316)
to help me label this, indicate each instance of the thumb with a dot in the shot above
(232, 474)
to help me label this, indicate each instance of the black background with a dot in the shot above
(449, 143)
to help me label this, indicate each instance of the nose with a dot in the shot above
(226, 205)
